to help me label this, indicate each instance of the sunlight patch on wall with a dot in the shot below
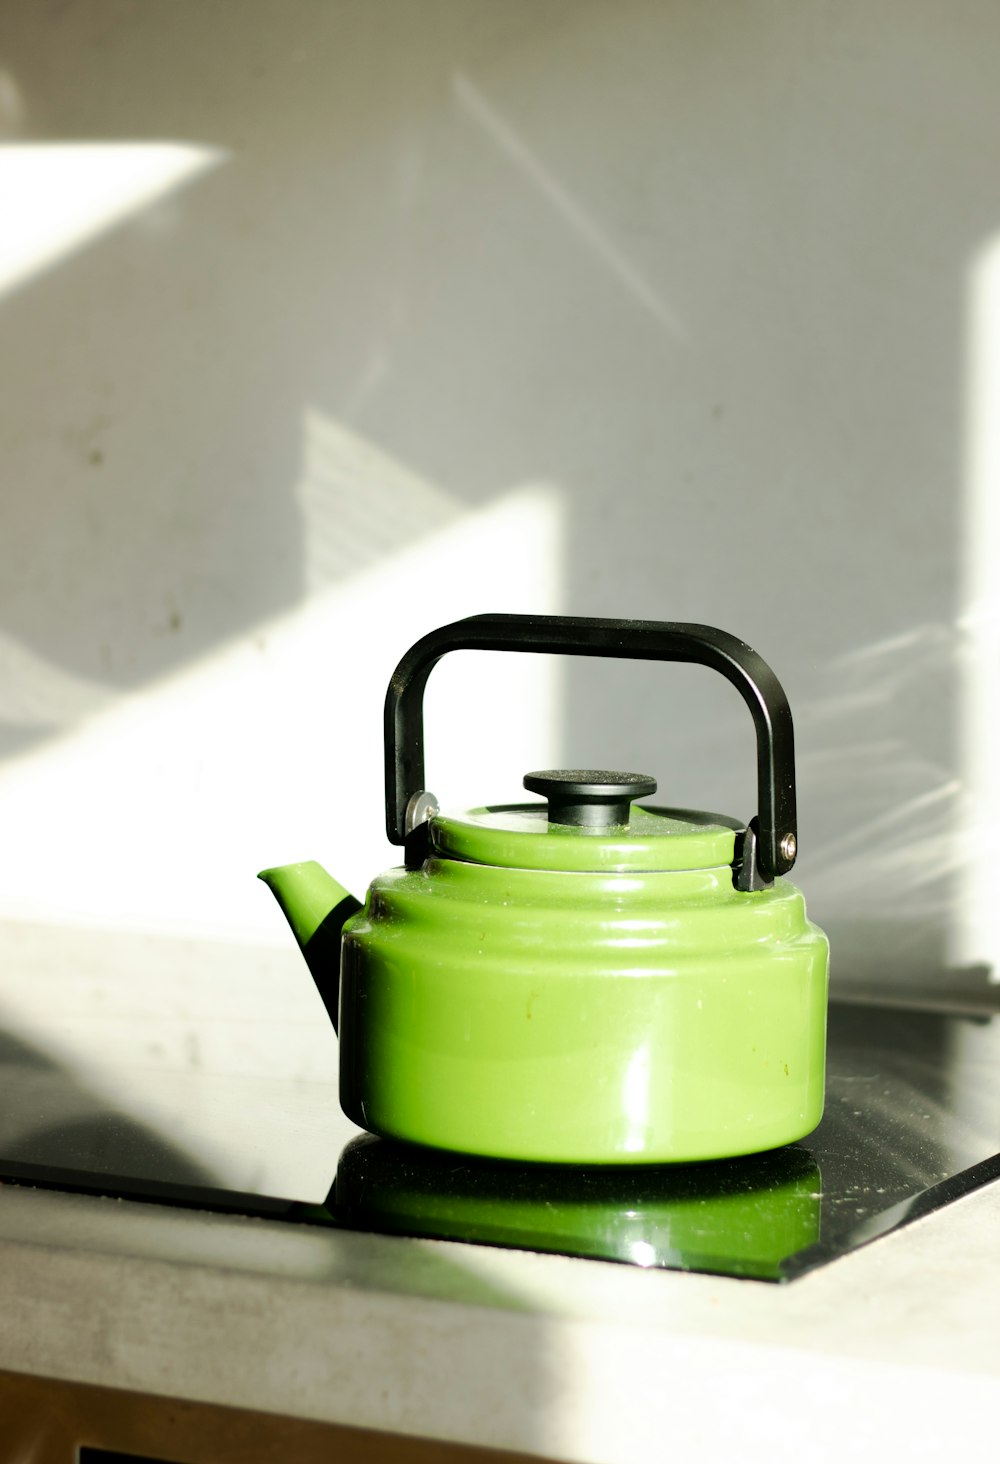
(57, 197)
(977, 920)
(358, 504)
(156, 812)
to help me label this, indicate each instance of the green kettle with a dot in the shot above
(581, 978)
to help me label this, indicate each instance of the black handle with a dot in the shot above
(640, 640)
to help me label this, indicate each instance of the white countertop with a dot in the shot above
(893, 1351)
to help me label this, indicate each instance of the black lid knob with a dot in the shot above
(589, 797)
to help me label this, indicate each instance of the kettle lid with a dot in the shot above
(588, 824)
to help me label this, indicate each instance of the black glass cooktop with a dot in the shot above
(912, 1121)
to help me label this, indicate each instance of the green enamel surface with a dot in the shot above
(520, 837)
(306, 894)
(601, 1017)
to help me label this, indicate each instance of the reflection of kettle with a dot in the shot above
(743, 1217)
(585, 981)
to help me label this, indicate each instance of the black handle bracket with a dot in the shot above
(774, 841)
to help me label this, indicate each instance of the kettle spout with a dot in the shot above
(316, 907)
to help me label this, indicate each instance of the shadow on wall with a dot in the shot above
(703, 268)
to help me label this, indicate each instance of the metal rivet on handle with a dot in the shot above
(789, 847)
(421, 807)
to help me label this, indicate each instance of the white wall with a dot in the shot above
(338, 320)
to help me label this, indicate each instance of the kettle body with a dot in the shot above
(655, 1017)
(591, 980)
